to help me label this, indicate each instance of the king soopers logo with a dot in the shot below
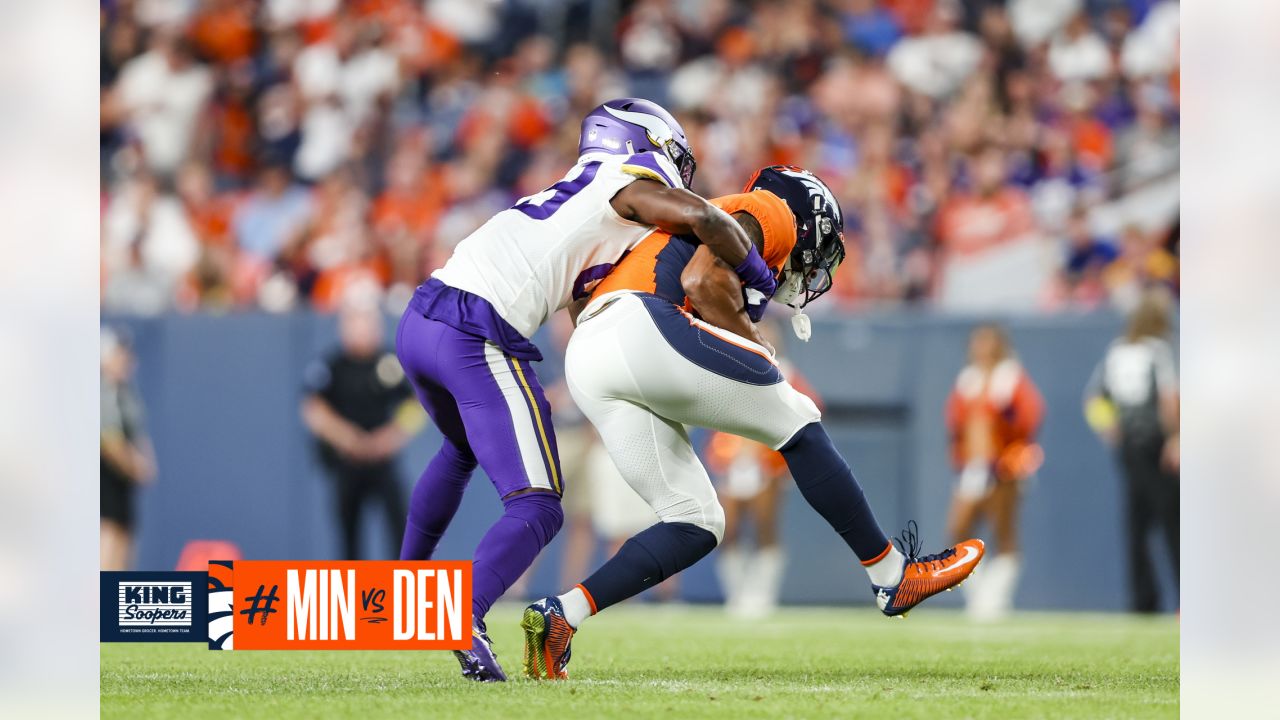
(155, 604)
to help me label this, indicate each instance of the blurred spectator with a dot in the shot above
(148, 246)
(361, 410)
(1132, 403)
(127, 458)
(1079, 53)
(938, 61)
(993, 416)
(273, 216)
(440, 113)
(870, 28)
(1087, 260)
(990, 247)
(1143, 263)
(161, 93)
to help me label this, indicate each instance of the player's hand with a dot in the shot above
(754, 302)
(758, 282)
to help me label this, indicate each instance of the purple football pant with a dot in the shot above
(492, 412)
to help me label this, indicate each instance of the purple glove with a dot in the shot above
(758, 283)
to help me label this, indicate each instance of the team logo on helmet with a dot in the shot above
(658, 131)
(819, 248)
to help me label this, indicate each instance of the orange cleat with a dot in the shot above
(924, 576)
(547, 635)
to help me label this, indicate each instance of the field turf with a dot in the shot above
(681, 662)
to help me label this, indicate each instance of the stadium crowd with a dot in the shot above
(275, 153)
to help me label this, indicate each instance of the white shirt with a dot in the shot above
(1082, 58)
(1132, 371)
(935, 65)
(532, 259)
(163, 107)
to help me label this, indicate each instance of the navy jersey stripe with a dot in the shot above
(669, 264)
(705, 349)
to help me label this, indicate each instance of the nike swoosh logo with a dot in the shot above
(971, 554)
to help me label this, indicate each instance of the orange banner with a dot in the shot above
(323, 605)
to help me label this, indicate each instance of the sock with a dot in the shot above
(510, 546)
(577, 606)
(886, 571)
(648, 558)
(435, 500)
(828, 485)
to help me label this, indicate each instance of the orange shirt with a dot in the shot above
(970, 224)
(1007, 407)
(655, 264)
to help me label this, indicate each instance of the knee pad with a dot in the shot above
(541, 511)
(707, 516)
(714, 522)
(674, 546)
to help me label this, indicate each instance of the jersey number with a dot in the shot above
(545, 204)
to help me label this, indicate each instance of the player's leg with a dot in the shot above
(657, 460)
(692, 373)
(438, 492)
(469, 388)
(508, 422)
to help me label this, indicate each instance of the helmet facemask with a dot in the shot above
(682, 158)
(811, 268)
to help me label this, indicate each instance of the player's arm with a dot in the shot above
(680, 212)
(715, 290)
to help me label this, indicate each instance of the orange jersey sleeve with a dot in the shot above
(655, 264)
(775, 219)
(638, 270)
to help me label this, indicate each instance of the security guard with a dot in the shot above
(360, 408)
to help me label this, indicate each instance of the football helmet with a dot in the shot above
(819, 248)
(626, 126)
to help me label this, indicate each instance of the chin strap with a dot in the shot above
(801, 326)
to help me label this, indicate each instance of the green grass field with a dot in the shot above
(680, 662)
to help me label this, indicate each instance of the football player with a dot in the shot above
(666, 342)
(464, 339)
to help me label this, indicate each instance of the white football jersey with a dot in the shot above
(548, 249)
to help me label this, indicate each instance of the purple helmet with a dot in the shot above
(630, 125)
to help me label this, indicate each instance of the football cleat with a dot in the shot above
(547, 635)
(924, 576)
(480, 663)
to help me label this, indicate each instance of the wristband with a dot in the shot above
(755, 274)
